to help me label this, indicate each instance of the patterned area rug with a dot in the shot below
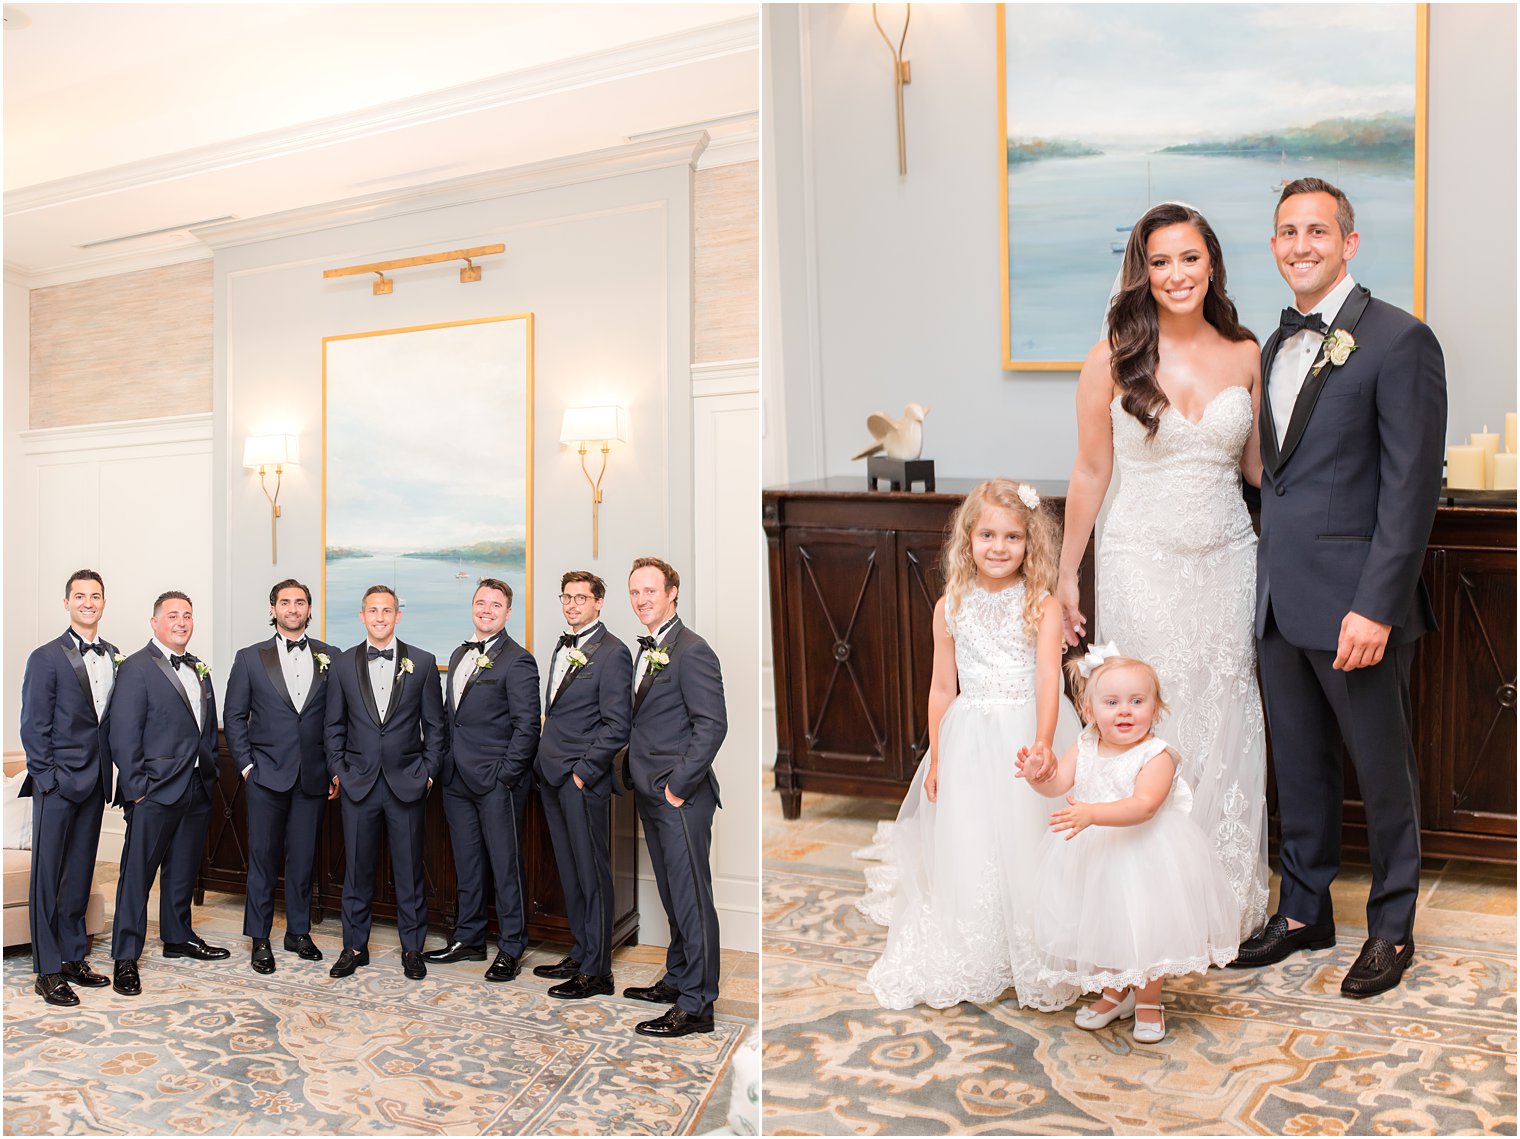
(1275, 1051)
(217, 1048)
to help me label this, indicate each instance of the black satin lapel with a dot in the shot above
(168, 670)
(366, 689)
(397, 680)
(111, 651)
(491, 655)
(1268, 425)
(673, 647)
(1308, 395)
(270, 656)
(76, 662)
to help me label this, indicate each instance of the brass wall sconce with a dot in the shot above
(384, 285)
(604, 425)
(902, 74)
(260, 452)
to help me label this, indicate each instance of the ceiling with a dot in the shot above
(125, 125)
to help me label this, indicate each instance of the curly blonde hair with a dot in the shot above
(1082, 686)
(1042, 548)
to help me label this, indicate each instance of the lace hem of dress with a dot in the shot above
(1092, 982)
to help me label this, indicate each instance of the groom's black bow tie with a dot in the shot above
(567, 641)
(1294, 321)
(176, 661)
(292, 646)
(646, 643)
(92, 647)
(478, 646)
(373, 653)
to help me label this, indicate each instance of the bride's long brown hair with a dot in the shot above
(1134, 332)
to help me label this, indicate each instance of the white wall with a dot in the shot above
(17, 554)
(890, 285)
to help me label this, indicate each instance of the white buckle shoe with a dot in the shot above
(1146, 1033)
(1090, 1020)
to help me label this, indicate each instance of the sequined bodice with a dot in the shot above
(994, 653)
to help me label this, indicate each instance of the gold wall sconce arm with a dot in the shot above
(902, 74)
(604, 425)
(261, 452)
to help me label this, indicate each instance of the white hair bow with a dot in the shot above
(1028, 496)
(1096, 655)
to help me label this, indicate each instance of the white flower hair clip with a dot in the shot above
(1028, 497)
(1096, 655)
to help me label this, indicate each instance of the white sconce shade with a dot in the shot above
(271, 451)
(607, 424)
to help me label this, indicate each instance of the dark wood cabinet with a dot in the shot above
(224, 866)
(854, 575)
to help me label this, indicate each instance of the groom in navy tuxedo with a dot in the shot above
(65, 700)
(1353, 423)
(275, 711)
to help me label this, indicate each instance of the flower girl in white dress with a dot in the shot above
(1129, 891)
(955, 884)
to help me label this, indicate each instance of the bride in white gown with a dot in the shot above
(1172, 395)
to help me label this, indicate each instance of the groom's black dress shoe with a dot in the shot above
(676, 1022)
(197, 949)
(562, 970)
(455, 951)
(504, 968)
(80, 973)
(52, 988)
(302, 945)
(125, 979)
(263, 957)
(412, 965)
(348, 961)
(658, 993)
(1276, 941)
(581, 986)
(1378, 968)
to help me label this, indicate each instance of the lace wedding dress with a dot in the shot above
(1177, 589)
(954, 885)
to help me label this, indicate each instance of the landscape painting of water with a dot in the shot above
(1108, 110)
(428, 475)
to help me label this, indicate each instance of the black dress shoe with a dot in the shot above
(348, 961)
(455, 951)
(412, 965)
(581, 986)
(302, 944)
(80, 973)
(676, 1022)
(52, 988)
(658, 993)
(263, 956)
(197, 949)
(1378, 968)
(1276, 941)
(504, 968)
(124, 978)
(562, 970)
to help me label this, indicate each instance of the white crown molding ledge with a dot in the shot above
(113, 265)
(725, 377)
(128, 433)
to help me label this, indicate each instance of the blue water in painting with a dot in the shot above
(435, 613)
(1065, 214)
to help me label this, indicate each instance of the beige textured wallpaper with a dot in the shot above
(726, 273)
(134, 346)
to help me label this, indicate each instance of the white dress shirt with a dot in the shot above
(296, 666)
(381, 673)
(560, 664)
(188, 679)
(101, 670)
(1298, 353)
(466, 667)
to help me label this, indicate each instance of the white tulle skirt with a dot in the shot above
(955, 883)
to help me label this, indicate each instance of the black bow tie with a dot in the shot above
(1294, 321)
(478, 646)
(292, 646)
(373, 653)
(647, 643)
(176, 661)
(567, 641)
(92, 647)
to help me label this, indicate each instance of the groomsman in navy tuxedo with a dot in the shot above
(492, 698)
(586, 721)
(386, 736)
(679, 721)
(65, 698)
(163, 742)
(275, 713)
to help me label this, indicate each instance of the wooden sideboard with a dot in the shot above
(854, 577)
(224, 866)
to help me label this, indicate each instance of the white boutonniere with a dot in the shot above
(406, 664)
(1337, 348)
(657, 658)
(577, 659)
(118, 659)
(323, 660)
(202, 669)
(483, 661)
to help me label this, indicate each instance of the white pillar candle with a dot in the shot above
(1489, 441)
(1464, 467)
(1509, 432)
(1504, 471)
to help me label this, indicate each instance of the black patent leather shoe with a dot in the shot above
(1378, 968)
(52, 988)
(562, 970)
(1276, 941)
(455, 951)
(348, 961)
(412, 965)
(196, 948)
(302, 944)
(263, 957)
(658, 993)
(124, 978)
(676, 1022)
(80, 973)
(504, 968)
(581, 986)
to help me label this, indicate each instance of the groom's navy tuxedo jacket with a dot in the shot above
(155, 743)
(406, 748)
(586, 717)
(68, 750)
(1348, 500)
(493, 731)
(284, 743)
(679, 721)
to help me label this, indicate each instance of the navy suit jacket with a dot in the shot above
(154, 741)
(284, 743)
(1348, 500)
(493, 733)
(408, 747)
(587, 720)
(67, 748)
(679, 720)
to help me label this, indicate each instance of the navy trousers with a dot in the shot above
(578, 822)
(283, 827)
(164, 840)
(485, 830)
(680, 847)
(402, 822)
(65, 837)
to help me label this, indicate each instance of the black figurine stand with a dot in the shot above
(900, 474)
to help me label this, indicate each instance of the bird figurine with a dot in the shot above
(897, 438)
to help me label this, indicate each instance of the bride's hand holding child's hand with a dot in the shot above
(1036, 763)
(1076, 817)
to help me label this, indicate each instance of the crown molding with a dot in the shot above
(113, 265)
(731, 150)
(164, 431)
(676, 50)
